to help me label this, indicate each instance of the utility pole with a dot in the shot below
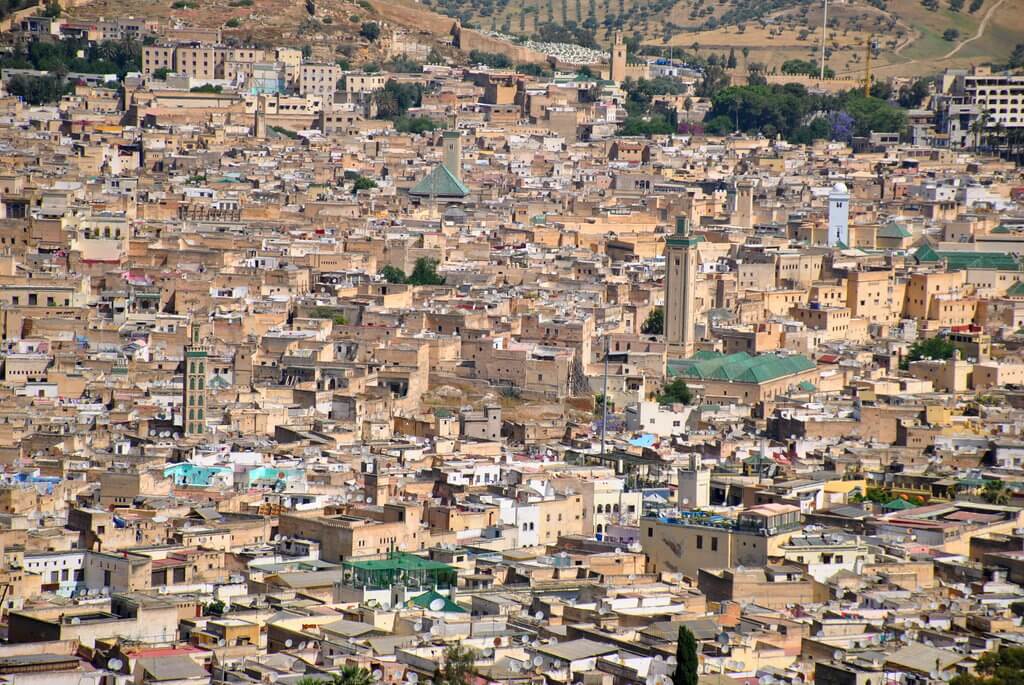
(604, 395)
(824, 31)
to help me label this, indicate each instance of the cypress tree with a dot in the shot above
(686, 658)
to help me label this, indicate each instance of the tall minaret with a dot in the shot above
(839, 215)
(618, 67)
(744, 216)
(453, 152)
(680, 283)
(193, 408)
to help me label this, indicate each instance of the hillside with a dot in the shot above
(908, 36)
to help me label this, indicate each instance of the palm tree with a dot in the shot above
(996, 492)
(352, 675)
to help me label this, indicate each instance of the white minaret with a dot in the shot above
(839, 215)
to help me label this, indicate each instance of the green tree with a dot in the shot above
(675, 392)
(1002, 667)
(686, 658)
(392, 274)
(415, 125)
(53, 9)
(161, 73)
(655, 322)
(950, 35)
(930, 348)
(996, 492)
(363, 183)
(352, 675)
(36, 90)
(370, 30)
(214, 608)
(425, 273)
(457, 667)
(396, 98)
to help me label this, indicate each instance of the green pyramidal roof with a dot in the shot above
(740, 367)
(440, 182)
(893, 230)
(1016, 290)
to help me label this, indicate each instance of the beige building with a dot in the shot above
(698, 541)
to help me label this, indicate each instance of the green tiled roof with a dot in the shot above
(739, 367)
(427, 598)
(1016, 290)
(893, 230)
(440, 182)
(1001, 228)
(957, 261)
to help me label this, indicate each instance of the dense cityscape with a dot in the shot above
(433, 355)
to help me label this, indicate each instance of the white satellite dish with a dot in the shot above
(436, 604)
(221, 642)
(539, 615)
(417, 626)
(538, 661)
(115, 664)
(377, 674)
(288, 643)
(412, 676)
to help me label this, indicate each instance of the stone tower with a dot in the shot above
(680, 283)
(453, 153)
(260, 125)
(193, 408)
(744, 216)
(618, 69)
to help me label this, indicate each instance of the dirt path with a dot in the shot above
(981, 30)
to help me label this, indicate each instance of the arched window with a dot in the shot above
(191, 414)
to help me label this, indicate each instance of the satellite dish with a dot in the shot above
(538, 661)
(115, 664)
(488, 652)
(377, 674)
(539, 615)
(288, 643)
(437, 604)
(412, 676)
(221, 642)
(417, 626)
(75, 620)
(837, 655)
(514, 666)
(723, 638)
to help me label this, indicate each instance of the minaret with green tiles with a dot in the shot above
(194, 395)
